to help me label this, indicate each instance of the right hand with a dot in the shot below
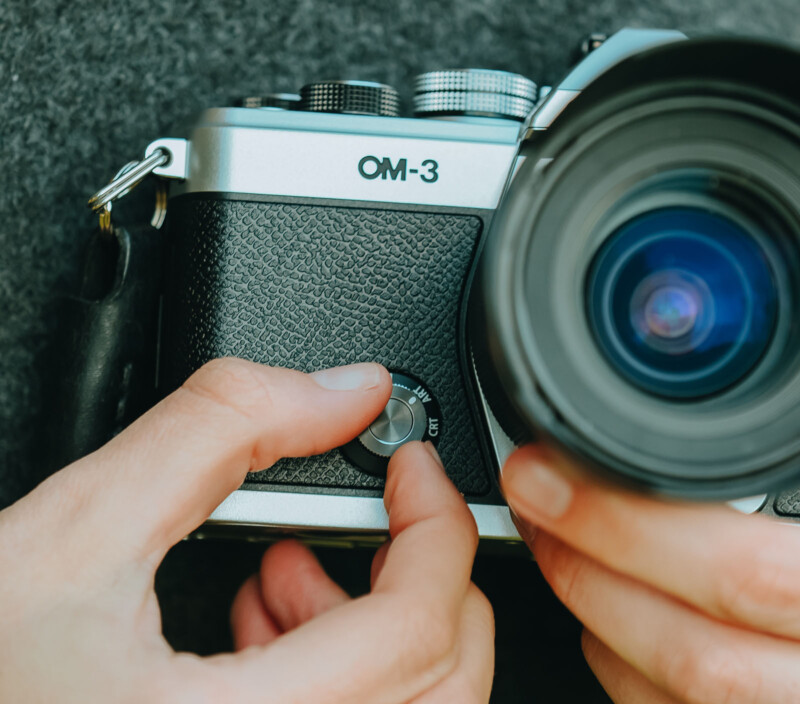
(683, 603)
(79, 618)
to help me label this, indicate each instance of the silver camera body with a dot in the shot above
(312, 165)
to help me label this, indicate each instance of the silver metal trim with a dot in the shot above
(502, 445)
(750, 504)
(178, 150)
(317, 155)
(295, 511)
(619, 46)
(551, 108)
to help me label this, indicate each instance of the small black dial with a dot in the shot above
(412, 413)
(350, 97)
(275, 101)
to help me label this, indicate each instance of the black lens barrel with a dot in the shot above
(703, 126)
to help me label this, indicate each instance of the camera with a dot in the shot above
(610, 265)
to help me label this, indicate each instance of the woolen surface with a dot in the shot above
(87, 85)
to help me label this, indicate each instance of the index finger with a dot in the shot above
(162, 477)
(742, 569)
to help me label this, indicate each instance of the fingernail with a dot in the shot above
(539, 490)
(349, 378)
(431, 448)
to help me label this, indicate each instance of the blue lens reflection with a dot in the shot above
(682, 302)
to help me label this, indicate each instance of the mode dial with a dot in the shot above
(411, 413)
(279, 101)
(474, 92)
(351, 97)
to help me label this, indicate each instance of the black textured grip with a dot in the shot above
(788, 503)
(312, 286)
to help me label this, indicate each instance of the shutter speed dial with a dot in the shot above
(410, 414)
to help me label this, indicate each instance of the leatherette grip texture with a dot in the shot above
(787, 503)
(313, 286)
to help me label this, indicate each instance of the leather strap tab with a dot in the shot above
(107, 356)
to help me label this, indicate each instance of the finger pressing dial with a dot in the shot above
(411, 414)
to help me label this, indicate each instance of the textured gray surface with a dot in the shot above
(86, 85)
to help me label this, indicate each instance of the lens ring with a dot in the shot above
(695, 141)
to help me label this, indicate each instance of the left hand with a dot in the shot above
(79, 619)
(681, 602)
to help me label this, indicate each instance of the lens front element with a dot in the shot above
(682, 302)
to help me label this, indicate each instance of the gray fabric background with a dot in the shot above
(86, 85)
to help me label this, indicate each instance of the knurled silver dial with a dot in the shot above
(351, 97)
(403, 420)
(476, 80)
(479, 104)
(474, 92)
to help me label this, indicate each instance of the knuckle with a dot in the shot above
(230, 383)
(157, 696)
(564, 569)
(764, 590)
(461, 691)
(478, 617)
(450, 516)
(462, 521)
(715, 674)
(185, 680)
(156, 689)
(431, 636)
(482, 604)
(69, 493)
(452, 512)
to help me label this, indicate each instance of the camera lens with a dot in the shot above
(682, 302)
(635, 302)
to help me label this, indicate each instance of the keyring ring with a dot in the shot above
(160, 212)
(125, 180)
(124, 170)
(128, 177)
(105, 218)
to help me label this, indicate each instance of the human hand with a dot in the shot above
(79, 619)
(681, 602)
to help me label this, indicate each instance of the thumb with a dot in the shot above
(165, 474)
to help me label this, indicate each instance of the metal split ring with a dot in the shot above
(126, 179)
